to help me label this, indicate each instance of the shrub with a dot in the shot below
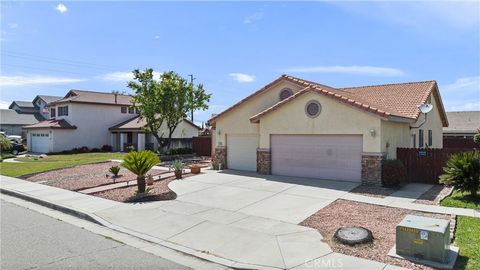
(83, 149)
(107, 148)
(179, 151)
(463, 172)
(114, 170)
(5, 144)
(476, 137)
(393, 172)
(95, 150)
(140, 163)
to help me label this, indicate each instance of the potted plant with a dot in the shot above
(195, 169)
(178, 168)
(149, 180)
(139, 163)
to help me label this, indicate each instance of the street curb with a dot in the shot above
(99, 221)
(63, 209)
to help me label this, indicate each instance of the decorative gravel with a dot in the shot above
(380, 220)
(158, 192)
(373, 191)
(84, 176)
(434, 195)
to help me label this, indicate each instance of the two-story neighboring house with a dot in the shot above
(86, 118)
(81, 118)
(21, 113)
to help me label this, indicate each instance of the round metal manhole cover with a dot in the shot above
(353, 235)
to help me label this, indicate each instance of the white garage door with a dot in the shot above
(40, 142)
(242, 152)
(336, 157)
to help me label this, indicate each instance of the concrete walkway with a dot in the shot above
(229, 237)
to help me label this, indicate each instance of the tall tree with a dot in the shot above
(166, 100)
(148, 100)
(179, 98)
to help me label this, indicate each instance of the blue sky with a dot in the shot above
(234, 48)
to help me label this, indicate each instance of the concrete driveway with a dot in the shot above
(286, 199)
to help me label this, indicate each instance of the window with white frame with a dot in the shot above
(430, 137)
(421, 143)
(53, 112)
(123, 109)
(63, 111)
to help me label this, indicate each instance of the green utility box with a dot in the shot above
(424, 238)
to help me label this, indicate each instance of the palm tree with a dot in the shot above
(140, 163)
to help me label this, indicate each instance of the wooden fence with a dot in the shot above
(202, 146)
(425, 165)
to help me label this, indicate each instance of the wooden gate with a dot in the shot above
(202, 146)
(425, 165)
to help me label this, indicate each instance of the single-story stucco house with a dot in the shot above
(295, 127)
(92, 119)
(462, 126)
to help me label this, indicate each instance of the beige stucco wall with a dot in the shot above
(92, 122)
(237, 121)
(400, 134)
(335, 118)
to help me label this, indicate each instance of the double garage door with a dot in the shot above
(40, 142)
(333, 157)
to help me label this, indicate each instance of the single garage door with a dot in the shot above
(40, 142)
(242, 152)
(336, 157)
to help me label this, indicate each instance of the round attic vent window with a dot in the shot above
(313, 108)
(285, 93)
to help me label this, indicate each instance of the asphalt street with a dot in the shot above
(30, 240)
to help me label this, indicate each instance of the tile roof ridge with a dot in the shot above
(97, 92)
(385, 84)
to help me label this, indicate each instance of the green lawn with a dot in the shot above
(31, 165)
(462, 200)
(467, 238)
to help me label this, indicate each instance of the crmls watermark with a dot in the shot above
(324, 263)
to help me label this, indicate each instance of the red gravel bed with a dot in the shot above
(158, 192)
(380, 220)
(434, 195)
(373, 191)
(84, 176)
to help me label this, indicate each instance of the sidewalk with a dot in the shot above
(225, 237)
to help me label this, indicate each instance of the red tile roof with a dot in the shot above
(393, 101)
(52, 123)
(83, 96)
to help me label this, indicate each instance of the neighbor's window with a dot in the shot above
(414, 139)
(137, 111)
(123, 109)
(52, 112)
(420, 138)
(285, 93)
(430, 139)
(313, 108)
(131, 110)
(63, 111)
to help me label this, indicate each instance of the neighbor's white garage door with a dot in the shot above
(242, 152)
(336, 157)
(40, 143)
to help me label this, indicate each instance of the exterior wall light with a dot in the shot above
(373, 132)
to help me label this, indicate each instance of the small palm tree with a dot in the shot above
(463, 172)
(140, 163)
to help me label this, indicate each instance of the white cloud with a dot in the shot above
(242, 77)
(157, 37)
(425, 16)
(121, 76)
(61, 8)
(257, 16)
(4, 104)
(464, 84)
(35, 80)
(357, 70)
(462, 95)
